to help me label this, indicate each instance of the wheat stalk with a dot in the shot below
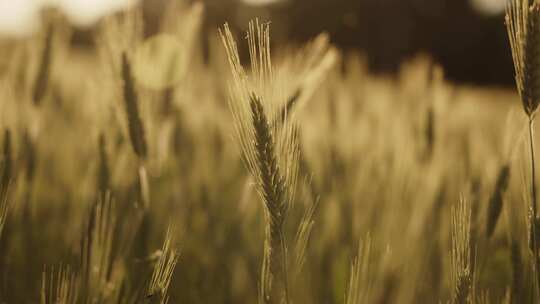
(360, 278)
(270, 150)
(131, 100)
(7, 163)
(163, 270)
(101, 268)
(517, 272)
(4, 208)
(59, 286)
(522, 23)
(136, 129)
(461, 251)
(5, 178)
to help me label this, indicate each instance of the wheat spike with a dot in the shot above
(522, 23)
(273, 191)
(136, 129)
(135, 124)
(270, 149)
(523, 27)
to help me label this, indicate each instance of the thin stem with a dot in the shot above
(533, 168)
(285, 269)
(533, 204)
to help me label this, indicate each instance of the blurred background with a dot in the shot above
(467, 37)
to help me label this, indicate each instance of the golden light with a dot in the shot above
(489, 7)
(21, 17)
(260, 2)
(18, 17)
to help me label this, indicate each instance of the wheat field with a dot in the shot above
(143, 171)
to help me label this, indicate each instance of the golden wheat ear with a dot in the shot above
(136, 129)
(273, 192)
(269, 148)
(523, 27)
(131, 100)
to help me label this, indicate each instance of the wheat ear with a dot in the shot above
(269, 148)
(273, 193)
(522, 23)
(136, 129)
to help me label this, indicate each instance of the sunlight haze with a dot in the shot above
(22, 16)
